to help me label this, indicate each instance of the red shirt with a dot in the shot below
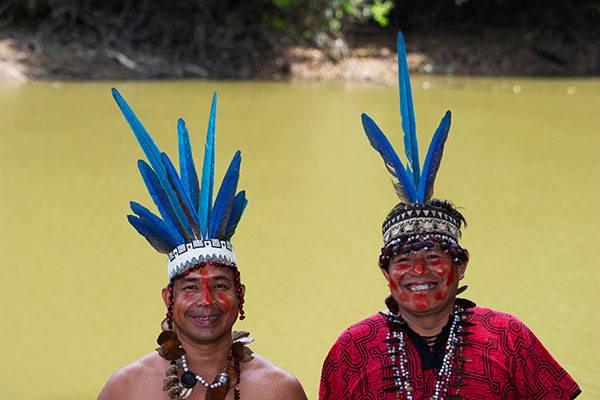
(507, 362)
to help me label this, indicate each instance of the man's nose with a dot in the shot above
(206, 297)
(418, 267)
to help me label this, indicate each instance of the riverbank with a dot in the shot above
(361, 56)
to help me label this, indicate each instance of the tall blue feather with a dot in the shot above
(182, 197)
(150, 234)
(189, 178)
(407, 112)
(380, 142)
(157, 225)
(433, 159)
(162, 202)
(239, 205)
(152, 153)
(208, 171)
(224, 199)
(143, 137)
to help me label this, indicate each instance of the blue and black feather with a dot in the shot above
(184, 203)
(412, 184)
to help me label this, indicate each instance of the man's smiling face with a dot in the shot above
(424, 282)
(205, 304)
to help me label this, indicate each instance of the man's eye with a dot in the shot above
(190, 287)
(220, 286)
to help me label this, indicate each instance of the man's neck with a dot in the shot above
(207, 359)
(428, 325)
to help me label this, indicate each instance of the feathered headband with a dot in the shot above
(192, 230)
(413, 186)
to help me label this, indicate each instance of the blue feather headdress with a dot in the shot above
(416, 215)
(412, 186)
(193, 229)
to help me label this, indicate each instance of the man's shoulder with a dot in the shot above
(496, 318)
(260, 372)
(506, 327)
(140, 374)
(361, 333)
(366, 326)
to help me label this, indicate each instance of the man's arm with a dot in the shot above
(538, 375)
(140, 380)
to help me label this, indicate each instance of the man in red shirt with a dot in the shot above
(430, 344)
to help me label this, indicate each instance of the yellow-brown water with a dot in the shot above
(81, 290)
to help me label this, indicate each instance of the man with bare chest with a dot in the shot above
(200, 356)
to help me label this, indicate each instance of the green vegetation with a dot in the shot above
(230, 38)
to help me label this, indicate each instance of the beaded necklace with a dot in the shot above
(189, 379)
(180, 387)
(221, 383)
(396, 348)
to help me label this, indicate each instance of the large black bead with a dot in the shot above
(188, 379)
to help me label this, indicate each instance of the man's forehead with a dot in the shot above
(435, 250)
(209, 272)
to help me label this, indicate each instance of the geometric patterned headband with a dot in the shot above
(419, 219)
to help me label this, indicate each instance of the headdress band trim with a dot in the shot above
(417, 225)
(187, 255)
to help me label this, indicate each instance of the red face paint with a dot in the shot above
(423, 282)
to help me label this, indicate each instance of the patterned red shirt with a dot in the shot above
(507, 362)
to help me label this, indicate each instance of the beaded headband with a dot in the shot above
(418, 219)
(192, 230)
(414, 187)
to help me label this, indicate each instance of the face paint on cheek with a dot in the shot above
(225, 301)
(441, 294)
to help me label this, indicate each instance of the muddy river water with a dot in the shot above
(80, 291)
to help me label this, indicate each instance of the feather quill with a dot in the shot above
(175, 226)
(239, 205)
(157, 225)
(407, 112)
(152, 153)
(183, 199)
(224, 199)
(189, 178)
(433, 159)
(208, 171)
(150, 234)
(405, 188)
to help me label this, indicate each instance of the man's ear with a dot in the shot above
(462, 268)
(165, 296)
(243, 291)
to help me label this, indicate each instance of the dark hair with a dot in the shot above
(451, 209)
(445, 205)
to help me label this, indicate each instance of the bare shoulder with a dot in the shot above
(266, 381)
(140, 379)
